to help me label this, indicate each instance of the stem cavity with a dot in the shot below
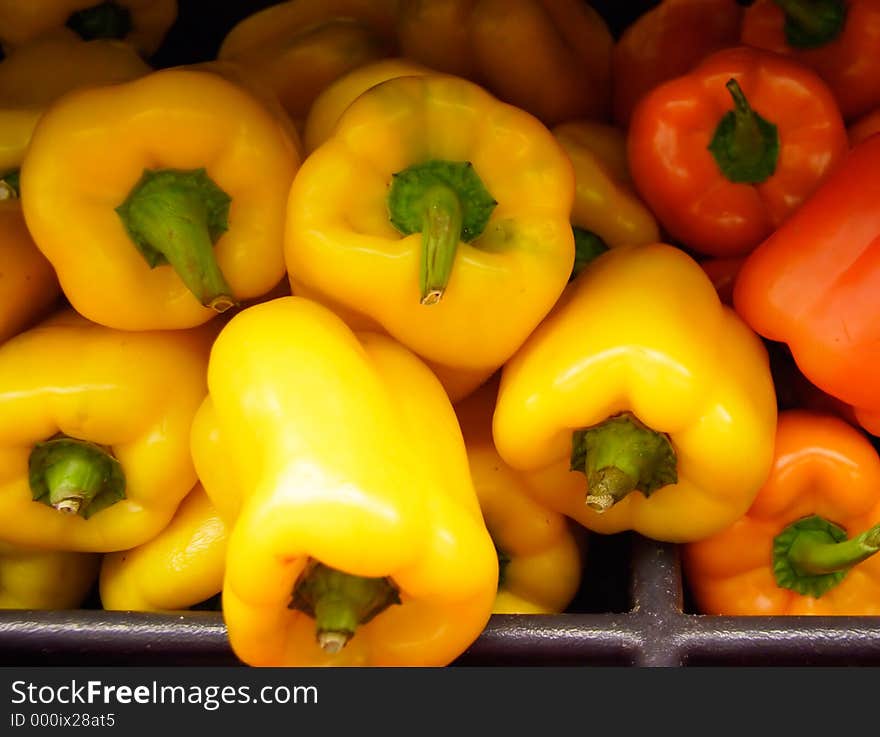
(619, 456)
(587, 246)
(446, 202)
(175, 217)
(105, 20)
(75, 476)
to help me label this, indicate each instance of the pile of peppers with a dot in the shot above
(360, 330)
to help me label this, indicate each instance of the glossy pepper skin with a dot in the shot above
(332, 102)
(822, 466)
(35, 74)
(45, 579)
(812, 284)
(605, 202)
(215, 472)
(179, 568)
(847, 60)
(641, 331)
(349, 455)
(719, 212)
(540, 554)
(666, 42)
(565, 75)
(28, 285)
(503, 273)
(133, 395)
(226, 164)
(299, 47)
(141, 23)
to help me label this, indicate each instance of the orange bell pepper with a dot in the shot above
(839, 39)
(805, 545)
(813, 284)
(666, 42)
(722, 174)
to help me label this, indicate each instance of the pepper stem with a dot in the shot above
(587, 247)
(175, 217)
(446, 202)
(812, 23)
(441, 231)
(75, 476)
(745, 145)
(9, 185)
(340, 602)
(813, 555)
(619, 456)
(105, 20)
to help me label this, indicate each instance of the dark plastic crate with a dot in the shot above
(632, 608)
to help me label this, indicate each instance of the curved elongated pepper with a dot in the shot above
(439, 215)
(28, 285)
(35, 74)
(297, 48)
(94, 432)
(140, 23)
(45, 579)
(160, 202)
(180, 567)
(724, 154)
(564, 76)
(360, 539)
(807, 545)
(813, 283)
(836, 38)
(641, 402)
(540, 554)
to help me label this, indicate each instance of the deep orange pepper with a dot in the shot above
(864, 127)
(823, 469)
(718, 181)
(848, 61)
(666, 42)
(814, 283)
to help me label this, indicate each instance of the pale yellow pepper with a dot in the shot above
(45, 579)
(179, 568)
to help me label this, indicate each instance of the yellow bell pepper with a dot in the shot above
(28, 285)
(607, 212)
(641, 402)
(299, 47)
(549, 57)
(45, 579)
(540, 557)
(37, 73)
(213, 468)
(94, 432)
(181, 567)
(332, 102)
(141, 23)
(160, 201)
(360, 539)
(440, 215)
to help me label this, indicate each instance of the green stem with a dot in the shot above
(446, 202)
(745, 145)
(441, 231)
(812, 23)
(105, 20)
(175, 217)
(10, 188)
(813, 555)
(340, 602)
(587, 247)
(74, 476)
(619, 456)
